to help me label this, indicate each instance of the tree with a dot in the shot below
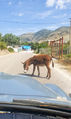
(0, 37)
(25, 43)
(38, 46)
(44, 44)
(11, 39)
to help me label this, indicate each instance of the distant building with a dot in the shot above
(17, 49)
(9, 46)
(26, 47)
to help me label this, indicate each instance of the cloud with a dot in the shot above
(50, 3)
(53, 27)
(16, 31)
(20, 3)
(64, 23)
(44, 14)
(61, 4)
(60, 16)
(9, 3)
(20, 14)
(19, 31)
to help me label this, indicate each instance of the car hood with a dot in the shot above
(21, 87)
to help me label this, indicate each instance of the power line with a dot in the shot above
(18, 22)
(21, 22)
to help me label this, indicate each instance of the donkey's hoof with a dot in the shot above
(48, 77)
(32, 74)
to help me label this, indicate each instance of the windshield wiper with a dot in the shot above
(32, 102)
(41, 104)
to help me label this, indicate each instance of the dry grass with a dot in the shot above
(4, 52)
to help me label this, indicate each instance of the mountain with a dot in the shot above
(45, 35)
(58, 33)
(41, 35)
(35, 37)
(62, 29)
(26, 37)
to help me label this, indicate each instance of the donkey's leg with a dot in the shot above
(49, 70)
(33, 69)
(38, 70)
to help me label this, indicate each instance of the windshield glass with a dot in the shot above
(35, 50)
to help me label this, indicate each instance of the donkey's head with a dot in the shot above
(25, 66)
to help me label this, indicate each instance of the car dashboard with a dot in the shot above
(17, 115)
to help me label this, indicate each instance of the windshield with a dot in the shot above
(35, 51)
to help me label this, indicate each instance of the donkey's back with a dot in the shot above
(41, 59)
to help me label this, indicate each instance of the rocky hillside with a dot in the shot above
(58, 33)
(41, 35)
(45, 35)
(26, 37)
(35, 37)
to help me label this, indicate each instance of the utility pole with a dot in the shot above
(70, 36)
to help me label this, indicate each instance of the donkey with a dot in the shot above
(39, 60)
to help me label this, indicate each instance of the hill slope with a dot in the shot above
(45, 35)
(41, 35)
(26, 37)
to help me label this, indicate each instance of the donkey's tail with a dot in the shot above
(52, 63)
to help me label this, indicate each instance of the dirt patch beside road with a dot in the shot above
(4, 52)
(66, 63)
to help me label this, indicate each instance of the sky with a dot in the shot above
(22, 16)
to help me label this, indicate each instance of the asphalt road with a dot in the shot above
(11, 64)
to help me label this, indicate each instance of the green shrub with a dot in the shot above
(3, 45)
(10, 49)
(69, 55)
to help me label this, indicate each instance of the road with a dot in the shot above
(11, 64)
